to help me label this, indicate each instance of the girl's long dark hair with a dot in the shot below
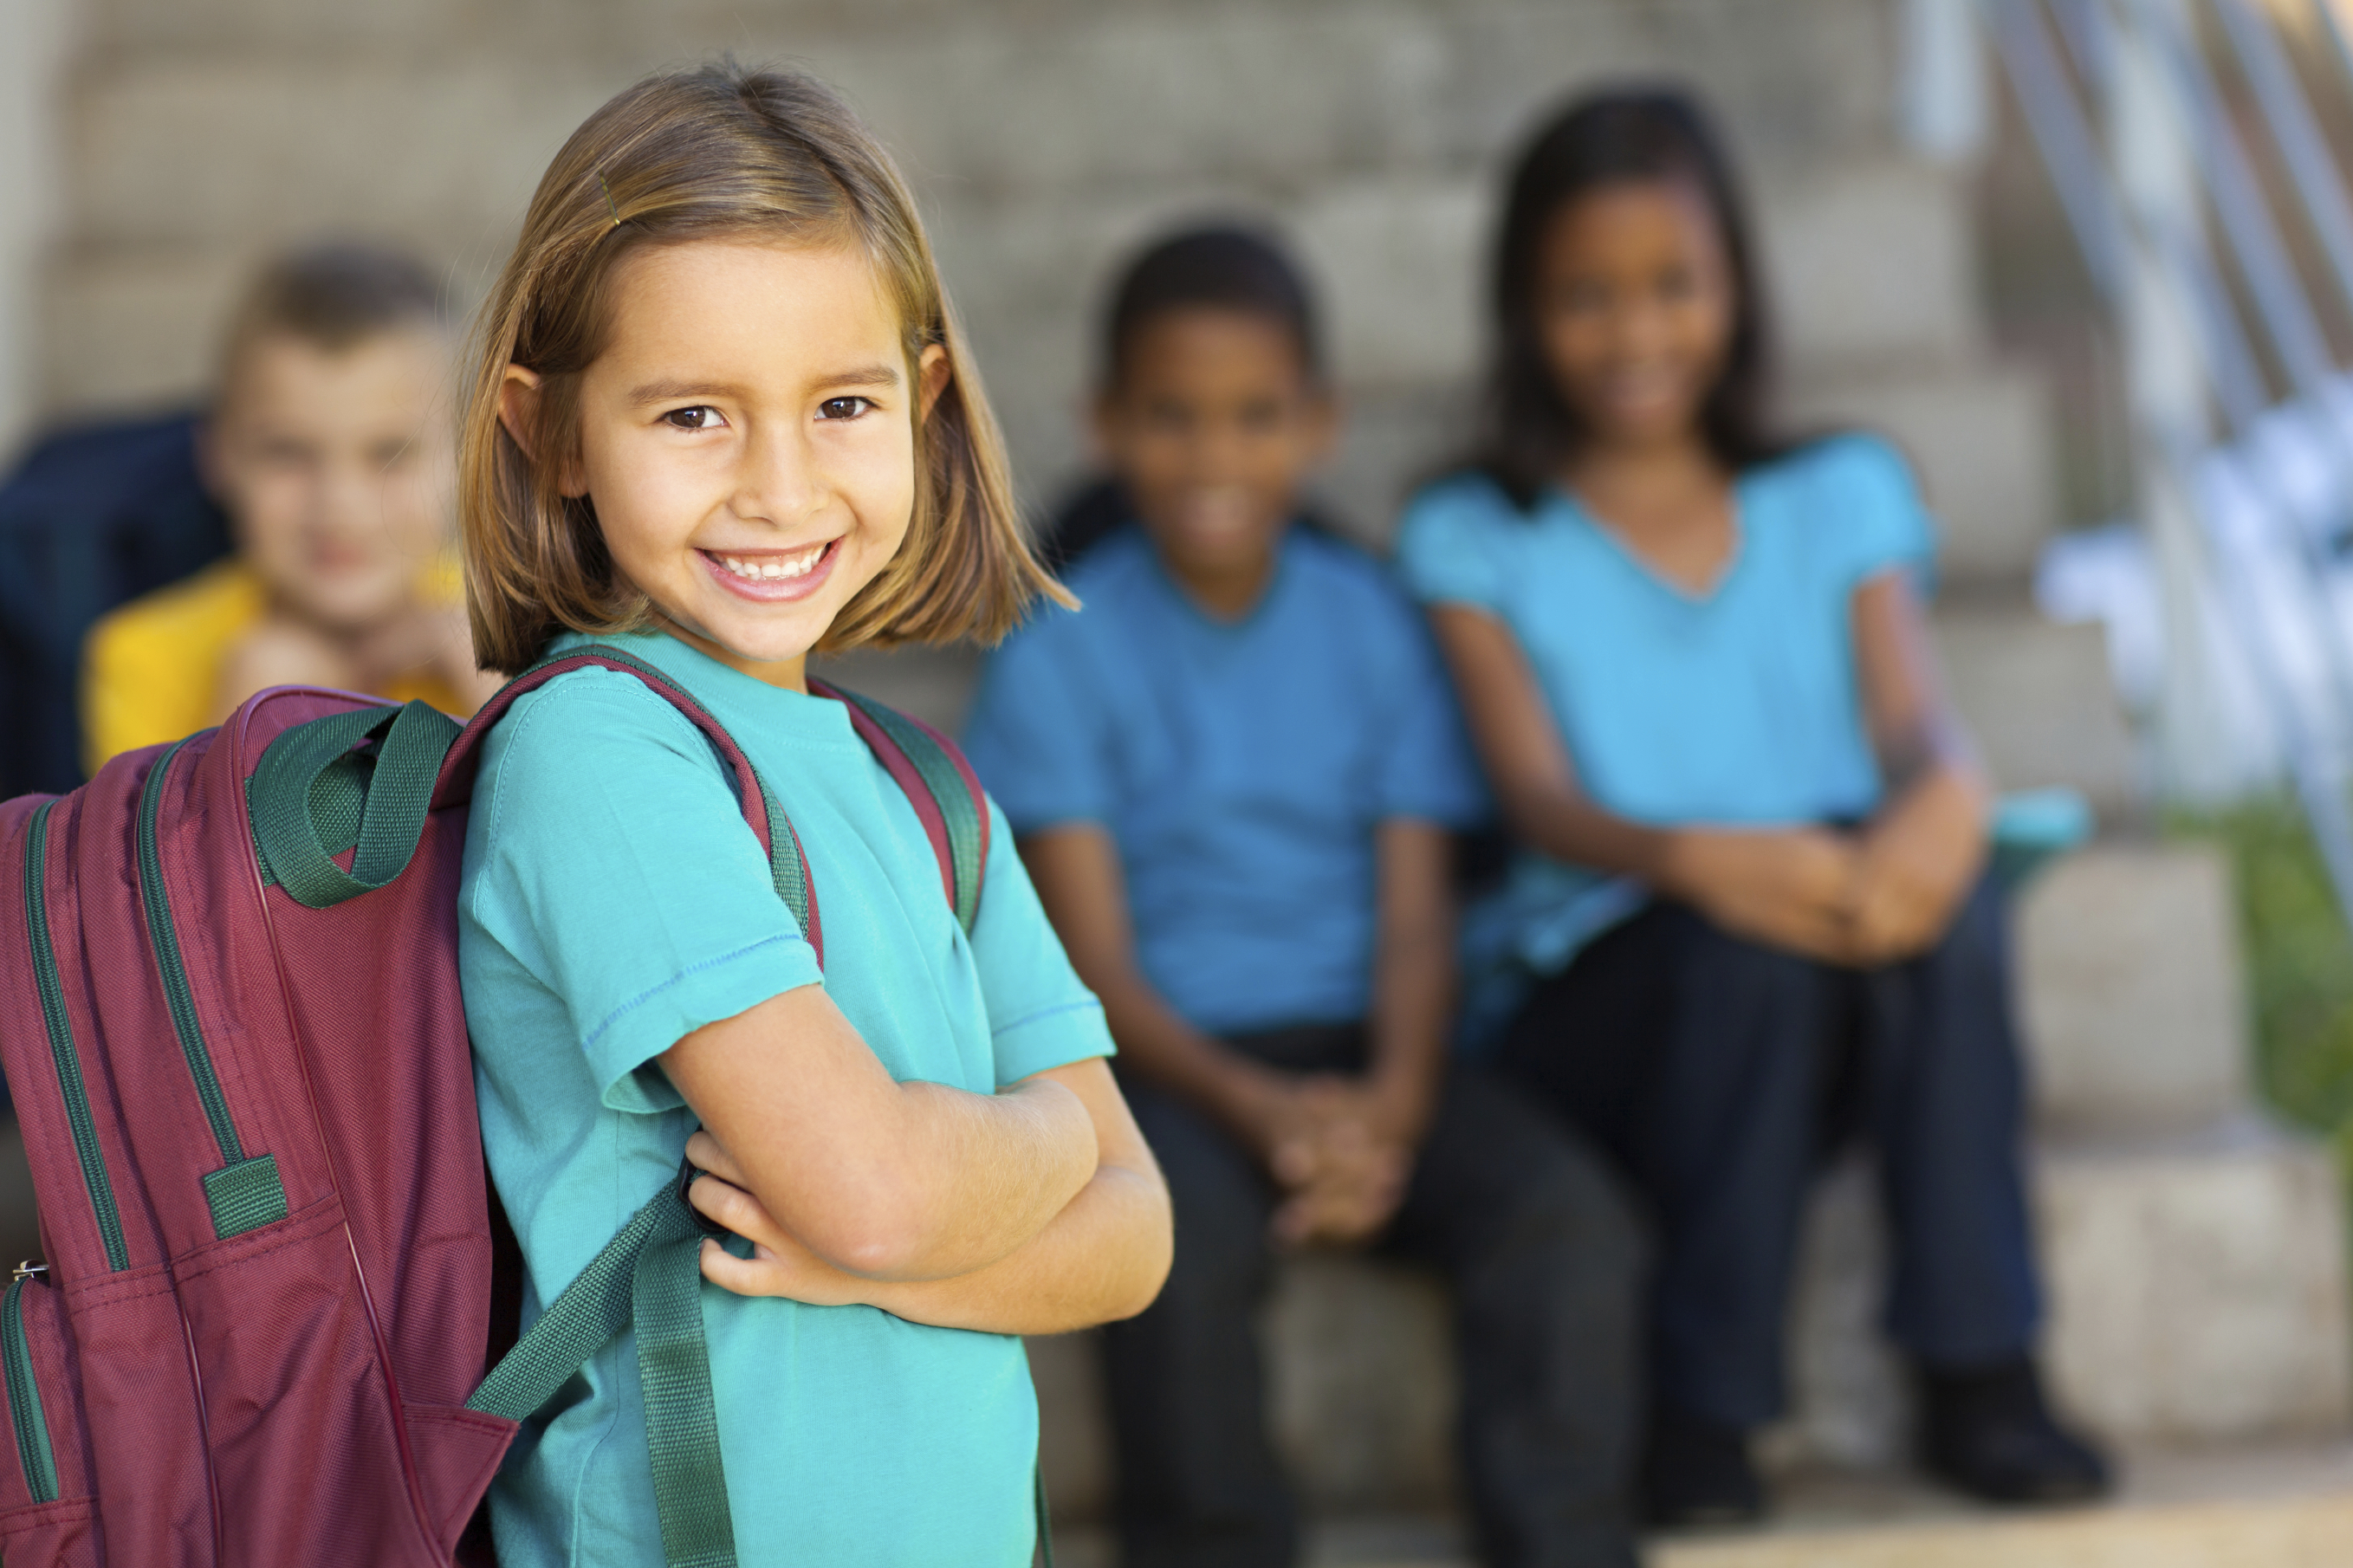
(1616, 137)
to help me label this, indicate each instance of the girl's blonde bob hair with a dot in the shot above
(718, 152)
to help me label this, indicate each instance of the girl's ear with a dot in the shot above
(931, 377)
(519, 395)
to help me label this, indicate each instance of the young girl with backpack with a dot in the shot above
(1751, 912)
(722, 417)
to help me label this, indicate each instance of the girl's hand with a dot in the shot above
(1793, 888)
(779, 1265)
(1915, 866)
(1358, 1182)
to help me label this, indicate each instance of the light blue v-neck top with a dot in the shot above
(614, 901)
(1738, 706)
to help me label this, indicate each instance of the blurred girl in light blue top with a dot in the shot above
(1748, 915)
(721, 417)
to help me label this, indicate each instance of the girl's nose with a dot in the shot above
(777, 481)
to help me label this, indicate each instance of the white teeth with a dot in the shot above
(769, 569)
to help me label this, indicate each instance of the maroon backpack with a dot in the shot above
(230, 1020)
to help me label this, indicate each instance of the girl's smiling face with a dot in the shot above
(1636, 308)
(747, 437)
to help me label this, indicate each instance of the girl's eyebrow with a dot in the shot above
(876, 375)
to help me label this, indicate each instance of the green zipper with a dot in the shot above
(243, 1194)
(25, 1412)
(62, 1040)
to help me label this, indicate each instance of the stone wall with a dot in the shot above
(1046, 137)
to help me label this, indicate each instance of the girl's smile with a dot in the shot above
(747, 438)
(773, 576)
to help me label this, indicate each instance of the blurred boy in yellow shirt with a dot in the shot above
(330, 450)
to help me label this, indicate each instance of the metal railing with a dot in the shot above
(2266, 473)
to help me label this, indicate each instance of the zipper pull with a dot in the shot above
(25, 1271)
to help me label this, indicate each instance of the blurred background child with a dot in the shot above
(1696, 666)
(329, 447)
(1233, 775)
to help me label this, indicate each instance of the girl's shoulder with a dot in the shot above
(1464, 498)
(588, 723)
(1862, 467)
(1847, 505)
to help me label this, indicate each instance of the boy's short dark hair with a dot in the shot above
(333, 297)
(1224, 267)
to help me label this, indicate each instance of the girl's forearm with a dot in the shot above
(1565, 825)
(985, 1175)
(1101, 1259)
(886, 1180)
(1413, 969)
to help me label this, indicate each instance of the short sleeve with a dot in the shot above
(629, 885)
(1035, 735)
(1427, 773)
(1881, 519)
(1447, 546)
(1040, 1015)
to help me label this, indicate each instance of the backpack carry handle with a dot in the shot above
(314, 796)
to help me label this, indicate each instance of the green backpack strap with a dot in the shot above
(938, 783)
(649, 1277)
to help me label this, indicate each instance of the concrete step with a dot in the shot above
(1980, 434)
(2038, 697)
(2242, 1507)
(2131, 990)
(2195, 1288)
(2197, 1297)
(1869, 261)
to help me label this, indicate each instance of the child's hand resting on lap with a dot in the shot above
(1881, 895)
(1791, 888)
(1913, 866)
(1340, 1148)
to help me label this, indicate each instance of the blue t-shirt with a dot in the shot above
(614, 901)
(1738, 706)
(1241, 767)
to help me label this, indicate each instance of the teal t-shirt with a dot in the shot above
(1738, 706)
(614, 901)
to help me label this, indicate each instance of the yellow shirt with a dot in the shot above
(151, 670)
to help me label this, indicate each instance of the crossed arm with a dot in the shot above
(1036, 1210)
(1882, 893)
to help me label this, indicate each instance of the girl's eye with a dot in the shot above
(702, 416)
(843, 407)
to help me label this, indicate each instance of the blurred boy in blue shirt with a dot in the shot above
(1234, 777)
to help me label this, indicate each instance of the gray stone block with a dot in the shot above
(2196, 1289)
(2198, 1286)
(1869, 261)
(1981, 436)
(1361, 1372)
(2196, 1296)
(1362, 1363)
(133, 331)
(2131, 998)
(252, 151)
(2037, 697)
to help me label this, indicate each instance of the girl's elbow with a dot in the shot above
(1155, 1251)
(1144, 1289)
(872, 1232)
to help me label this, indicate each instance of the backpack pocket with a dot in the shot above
(45, 1502)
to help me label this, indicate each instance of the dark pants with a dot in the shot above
(1543, 1254)
(1720, 1073)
